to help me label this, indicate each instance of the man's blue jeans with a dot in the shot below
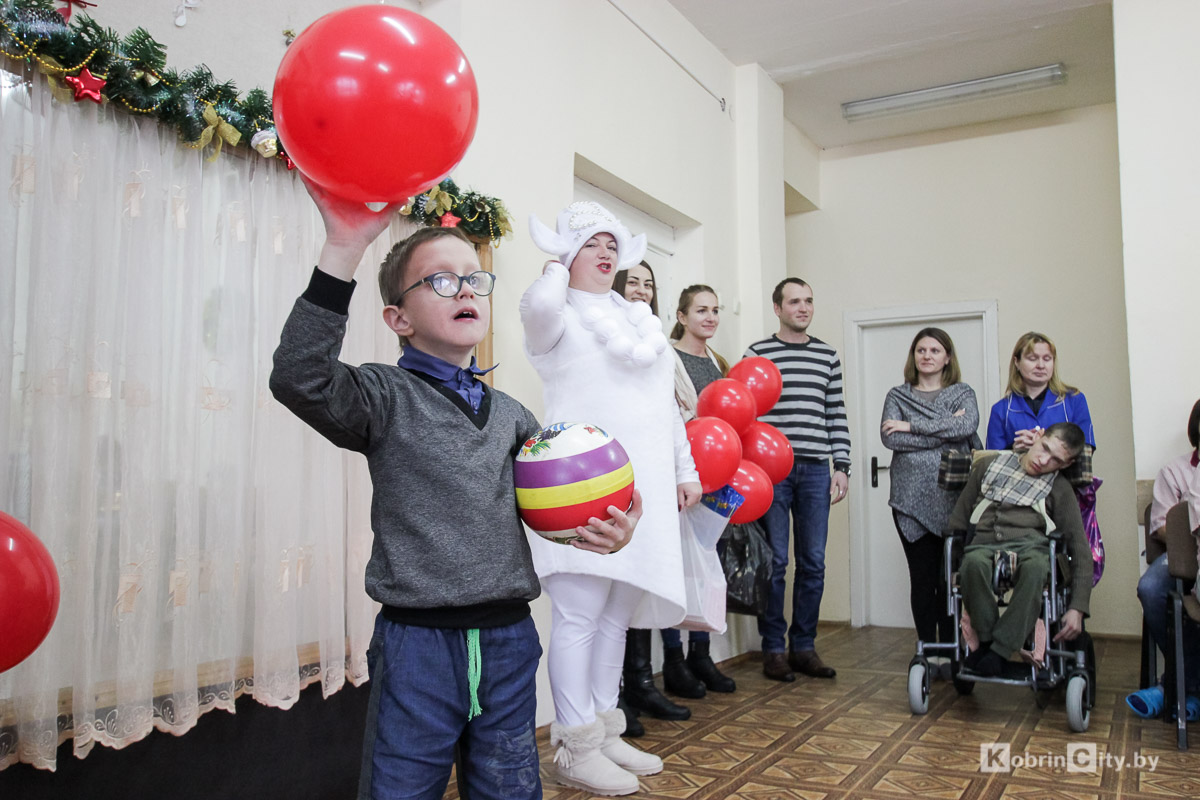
(1152, 589)
(419, 706)
(804, 496)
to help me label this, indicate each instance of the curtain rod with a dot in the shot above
(669, 54)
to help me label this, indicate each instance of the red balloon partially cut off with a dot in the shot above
(729, 400)
(715, 449)
(762, 378)
(29, 592)
(753, 484)
(766, 446)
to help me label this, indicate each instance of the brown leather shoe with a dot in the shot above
(809, 663)
(775, 667)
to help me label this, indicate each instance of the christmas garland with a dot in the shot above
(482, 219)
(81, 59)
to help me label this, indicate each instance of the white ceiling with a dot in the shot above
(827, 52)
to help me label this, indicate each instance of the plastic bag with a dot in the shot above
(1086, 495)
(703, 579)
(747, 566)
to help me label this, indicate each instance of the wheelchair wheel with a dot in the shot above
(1078, 712)
(918, 687)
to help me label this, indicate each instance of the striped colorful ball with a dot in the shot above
(567, 473)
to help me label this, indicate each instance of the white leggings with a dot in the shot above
(587, 643)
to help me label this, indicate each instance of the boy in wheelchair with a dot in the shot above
(1014, 501)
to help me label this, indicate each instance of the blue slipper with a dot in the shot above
(1193, 709)
(1148, 703)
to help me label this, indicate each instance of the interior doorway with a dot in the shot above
(877, 343)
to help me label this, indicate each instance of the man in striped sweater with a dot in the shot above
(812, 414)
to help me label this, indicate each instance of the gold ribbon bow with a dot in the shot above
(224, 131)
(439, 202)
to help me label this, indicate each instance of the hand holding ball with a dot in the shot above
(375, 103)
(566, 474)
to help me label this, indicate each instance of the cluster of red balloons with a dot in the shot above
(729, 444)
(375, 103)
(28, 592)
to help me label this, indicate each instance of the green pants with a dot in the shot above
(1007, 632)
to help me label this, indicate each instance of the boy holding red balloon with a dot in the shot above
(455, 651)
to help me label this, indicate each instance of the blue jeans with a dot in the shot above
(671, 637)
(804, 495)
(419, 706)
(1152, 590)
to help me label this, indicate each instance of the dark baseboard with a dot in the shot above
(310, 752)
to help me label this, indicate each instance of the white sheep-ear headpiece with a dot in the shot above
(579, 222)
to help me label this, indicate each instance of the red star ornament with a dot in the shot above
(86, 85)
(450, 221)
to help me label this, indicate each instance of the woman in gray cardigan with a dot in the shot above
(930, 412)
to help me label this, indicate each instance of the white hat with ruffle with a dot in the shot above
(579, 222)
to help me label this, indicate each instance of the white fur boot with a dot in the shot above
(580, 763)
(620, 752)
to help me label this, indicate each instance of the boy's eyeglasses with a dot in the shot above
(448, 284)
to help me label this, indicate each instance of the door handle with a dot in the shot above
(875, 468)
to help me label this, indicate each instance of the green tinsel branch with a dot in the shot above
(134, 70)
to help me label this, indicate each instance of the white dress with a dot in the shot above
(584, 382)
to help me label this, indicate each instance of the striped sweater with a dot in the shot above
(811, 411)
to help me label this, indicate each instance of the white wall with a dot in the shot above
(1157, 64)
(1025, 212)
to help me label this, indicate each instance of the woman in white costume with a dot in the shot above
(605, 361)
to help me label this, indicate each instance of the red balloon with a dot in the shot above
(715, 449)
(753, 484)
(729, 400)
(28, 592)
(762, 378)
(375, 103)
(766, 446)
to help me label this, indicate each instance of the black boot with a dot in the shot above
(702, 666)
(640, 691)
(677, 678)
(633, 726)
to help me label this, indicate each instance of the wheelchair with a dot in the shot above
(1073, 666)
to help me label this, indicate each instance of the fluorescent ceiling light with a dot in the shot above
(1036, 78)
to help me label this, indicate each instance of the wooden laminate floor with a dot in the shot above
(853, 737)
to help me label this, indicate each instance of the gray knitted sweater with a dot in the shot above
(917, 455)
(443, 509)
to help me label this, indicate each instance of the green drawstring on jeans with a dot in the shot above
(474, 671)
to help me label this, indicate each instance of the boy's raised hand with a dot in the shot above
(350, 227)
(609, 537)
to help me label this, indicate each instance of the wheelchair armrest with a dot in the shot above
(964, 537)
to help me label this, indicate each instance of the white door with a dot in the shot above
(878, 345)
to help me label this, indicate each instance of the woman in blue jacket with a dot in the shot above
(1036, 398)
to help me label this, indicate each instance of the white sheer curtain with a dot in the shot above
(208, 544)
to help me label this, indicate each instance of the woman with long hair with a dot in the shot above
(931, 412)
(639, 693)
(1036, 398)
(696, 319)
